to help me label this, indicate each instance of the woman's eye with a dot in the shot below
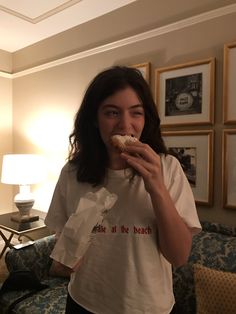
(111, 113)
(138, 113)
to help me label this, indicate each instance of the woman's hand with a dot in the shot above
(146, 162)
(58, 269)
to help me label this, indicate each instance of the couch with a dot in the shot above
(36, 258)
(214, 248)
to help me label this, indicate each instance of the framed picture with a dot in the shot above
(185, 93)
(229, 168)
(144, 68)
(229, 77)
(194, 150)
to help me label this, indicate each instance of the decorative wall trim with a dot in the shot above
(6, 75)
(40, 17)
(230, 9)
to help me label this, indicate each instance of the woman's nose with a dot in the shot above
(124, 121)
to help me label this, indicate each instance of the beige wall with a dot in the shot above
(6, 137)
(46, 99)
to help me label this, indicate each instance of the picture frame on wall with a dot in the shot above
(194, 150)
(185, 93)
(144, 68)
(229, 78)
(229, 168)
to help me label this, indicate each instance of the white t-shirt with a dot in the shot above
(123, 271)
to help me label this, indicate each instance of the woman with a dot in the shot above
(128, 266)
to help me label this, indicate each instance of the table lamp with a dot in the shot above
(23, 170)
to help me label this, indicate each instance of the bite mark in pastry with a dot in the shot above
(120, 141)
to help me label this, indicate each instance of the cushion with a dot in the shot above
(35, 257)
(215, 290)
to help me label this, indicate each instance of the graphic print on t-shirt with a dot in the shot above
(135, 229)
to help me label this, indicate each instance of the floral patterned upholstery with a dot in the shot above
(36, 258)
(214, 247)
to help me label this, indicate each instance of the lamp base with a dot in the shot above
(24, 218)
(24, 207)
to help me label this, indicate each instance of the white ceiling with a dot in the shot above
(25, 22)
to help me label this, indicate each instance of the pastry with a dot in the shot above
(120, 141)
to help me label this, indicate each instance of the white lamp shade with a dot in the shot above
(22, 169)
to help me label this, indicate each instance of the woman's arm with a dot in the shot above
(174, 237)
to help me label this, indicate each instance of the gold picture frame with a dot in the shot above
(229, 168)
(194, 150)
(229, 77)
(144, 68)
(185, 93)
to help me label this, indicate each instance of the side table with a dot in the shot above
(19, 228)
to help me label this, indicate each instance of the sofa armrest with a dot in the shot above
(35, 257)
(214, 247)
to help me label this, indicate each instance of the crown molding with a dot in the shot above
(41, 17)
(230, 9)
(6, 75)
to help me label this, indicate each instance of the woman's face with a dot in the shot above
(123, 114)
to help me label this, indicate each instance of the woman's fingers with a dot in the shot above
(142, 150)
(143, 169)
(144, 165)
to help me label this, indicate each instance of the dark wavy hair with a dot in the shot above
(87, 150)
